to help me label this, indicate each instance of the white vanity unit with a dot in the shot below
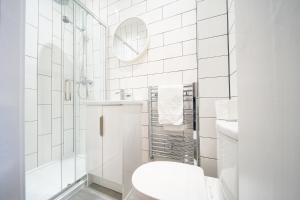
(113, 143)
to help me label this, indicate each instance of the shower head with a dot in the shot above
(62, 2)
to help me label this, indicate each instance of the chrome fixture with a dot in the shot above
(68, 90)
(123, 95)
(66, 20)
(182, 146)
(84, 82)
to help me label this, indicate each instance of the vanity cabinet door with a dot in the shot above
(112, 144)
(94, 141)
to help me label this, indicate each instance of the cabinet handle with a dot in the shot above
(101, 125)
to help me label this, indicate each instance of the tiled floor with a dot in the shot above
(96, 192)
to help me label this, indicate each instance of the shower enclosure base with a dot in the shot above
(43, 182)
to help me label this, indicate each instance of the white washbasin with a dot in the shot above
(170, 181)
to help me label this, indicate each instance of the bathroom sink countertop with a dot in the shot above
(114, 103)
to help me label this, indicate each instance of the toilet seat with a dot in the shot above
(170, 181)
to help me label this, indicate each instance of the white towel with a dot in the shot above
(170, 104)
(174, 128)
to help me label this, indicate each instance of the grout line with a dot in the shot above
(207, 117)
(37, 82)
(222, 97)
(32, 89)
(164, 32)
(205, 137)
(173, 29)
(30, 154)
(45, 75)
(45, 17)
(214, 36)
(208, 157)
(199, 20)
(209, 57)
(31, 25)
(161, 73)
(233, 73)
(51, 122)
(31, 57)
(213, 77)
(228, 50)
(31, 121)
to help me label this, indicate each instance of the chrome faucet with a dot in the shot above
(123, 95)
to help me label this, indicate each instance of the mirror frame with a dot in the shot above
(144, 50)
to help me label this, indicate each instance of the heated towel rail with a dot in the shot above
(179, 145)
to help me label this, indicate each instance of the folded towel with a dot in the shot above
(170, 104)
(174, 128)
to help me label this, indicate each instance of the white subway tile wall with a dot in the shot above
(172, 59)
(44, 68)
(232, 49)
(212, 75)
(31, 137)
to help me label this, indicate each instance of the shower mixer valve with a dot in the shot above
(84, 81)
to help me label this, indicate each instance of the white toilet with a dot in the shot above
(177, 181)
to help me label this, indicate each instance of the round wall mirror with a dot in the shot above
(131, 39)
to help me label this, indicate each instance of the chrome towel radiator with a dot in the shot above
(180, 145)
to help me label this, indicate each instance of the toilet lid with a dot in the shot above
(170, 181)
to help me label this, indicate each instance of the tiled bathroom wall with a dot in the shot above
(41, 93)
(45, 65)
(172, 59)
(212, 75)
(165, 24)
(232, 49)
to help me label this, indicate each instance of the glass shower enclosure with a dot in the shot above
(70, 70)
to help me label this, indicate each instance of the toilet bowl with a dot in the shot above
(169, 180)
(178, 181)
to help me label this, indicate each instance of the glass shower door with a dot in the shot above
(68, 125)
(67, 71)
(89, 41)
(82, 85)
(84, 80)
